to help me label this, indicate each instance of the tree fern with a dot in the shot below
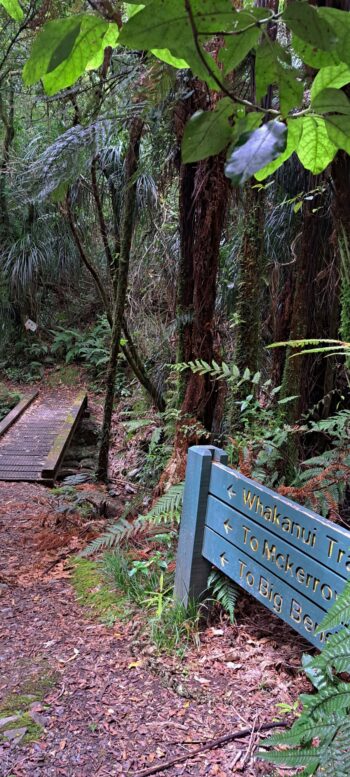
(224, 591)
(166, 510)
(326, 714)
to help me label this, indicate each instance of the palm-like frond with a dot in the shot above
(166, 510)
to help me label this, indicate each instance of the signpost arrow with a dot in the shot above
(223, 560)
(227, 526)
(231, 492)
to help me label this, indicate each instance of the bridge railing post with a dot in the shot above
(191, 568)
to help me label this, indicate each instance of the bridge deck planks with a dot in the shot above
(32, 448)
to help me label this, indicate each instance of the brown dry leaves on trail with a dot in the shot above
(117, 707)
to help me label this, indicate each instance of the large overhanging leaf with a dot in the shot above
(315, 148)
(163, 54)
(340, 23)
(63, 50)
(332, 77)
(261, 147)
(314, 56)
(165, 24)
(338, 128)
(13, 9)
(244, 36)
(331, 101)
(207, 132)
(305, 21)
(272, 66)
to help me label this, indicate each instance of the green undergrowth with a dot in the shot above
(8, 400)
(94, 591)
(33, 688)
(148, 585)
(118, 586)
(24, 720)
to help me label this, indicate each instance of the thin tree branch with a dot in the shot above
(207, 746)
(86, 261)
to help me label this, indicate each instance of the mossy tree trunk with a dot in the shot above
(7, 116)
(315, 304)
(204, 191)
(203, 195)
(250, 293)
(131, 164)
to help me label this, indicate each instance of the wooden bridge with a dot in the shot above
(35, 435)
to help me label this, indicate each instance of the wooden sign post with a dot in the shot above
(289, 558)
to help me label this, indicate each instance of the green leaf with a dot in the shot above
(291, 90)
(272, 66)
(315, 148)
(166, 56)
(64, 48)
(262, 146)
(61, 51)
(305, 21)
(237, 47)
(207, 132)
(294, 131)
(331, 77)
(265, 68)
(312, 55)
(331, 101)
(13, 9)
(109, 39)
(340, 23)
(339, 613)
(165, 24)
(338, 128)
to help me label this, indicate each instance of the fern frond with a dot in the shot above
(168, 506)
(166, 510)
(119, 533)
(224, 591)
(339, 614)
(332, 699)
(303, 732)
(336, 653)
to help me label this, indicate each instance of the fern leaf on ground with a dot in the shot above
(166, 510)
(224, 591)
(339, 614)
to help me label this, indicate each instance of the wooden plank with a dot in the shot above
(16, 412)
(301, 527)
(305, 574)
(294, 608)
(191, 569)
(62, 439)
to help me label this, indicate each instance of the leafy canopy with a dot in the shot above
(310, 114)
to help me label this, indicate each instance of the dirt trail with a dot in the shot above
(112, 707)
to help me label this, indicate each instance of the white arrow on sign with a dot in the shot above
(227, 526)
(231, 492)
(223, 560)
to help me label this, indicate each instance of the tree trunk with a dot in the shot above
(131, 164)
(204, 191)
(248, 345)
(315, 305)
(7, 117)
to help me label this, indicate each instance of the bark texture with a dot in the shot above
(204, 191)
(131, 164)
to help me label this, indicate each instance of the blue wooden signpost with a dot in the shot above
(289, 558)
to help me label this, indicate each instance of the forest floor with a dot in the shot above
(98, 700)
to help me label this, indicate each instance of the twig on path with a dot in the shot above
(210, 745)
(250, 744)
